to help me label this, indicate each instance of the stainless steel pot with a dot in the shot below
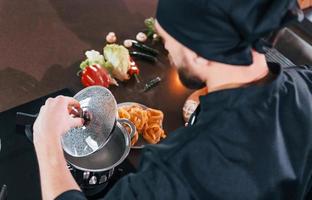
(93, 171)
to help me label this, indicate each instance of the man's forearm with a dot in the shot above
(54, 174)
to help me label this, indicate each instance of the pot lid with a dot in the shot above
(99, 105)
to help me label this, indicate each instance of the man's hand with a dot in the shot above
(53, 121)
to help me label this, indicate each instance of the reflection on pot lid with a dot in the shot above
(109, 156)
(101, 107)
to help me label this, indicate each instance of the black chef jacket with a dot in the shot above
(247, 143)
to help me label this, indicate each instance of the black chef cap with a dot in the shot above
(225, 30)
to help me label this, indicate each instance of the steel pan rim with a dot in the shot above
(122, 158)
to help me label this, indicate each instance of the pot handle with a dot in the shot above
(130, 124)
(3, 193)
(24, 119)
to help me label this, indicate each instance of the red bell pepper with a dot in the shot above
(95, 75)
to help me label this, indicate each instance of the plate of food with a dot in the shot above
(148, 122)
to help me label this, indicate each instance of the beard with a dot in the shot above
(190, 81)
(187, 79)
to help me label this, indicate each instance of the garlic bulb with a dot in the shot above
(127, 43)
(141, 37)
(111, 37)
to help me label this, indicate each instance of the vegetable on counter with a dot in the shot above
(143, 56)
(150, 25)
(111, 37)
(93, 58)
(117, 61)
(134, 71)
(141, 37)
(144, 48)
(128, 43)
(95, 75)
(141, 47)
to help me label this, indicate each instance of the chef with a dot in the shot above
(250, 137)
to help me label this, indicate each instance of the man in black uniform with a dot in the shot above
(251, 136)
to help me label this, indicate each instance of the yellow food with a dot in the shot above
(148, 122)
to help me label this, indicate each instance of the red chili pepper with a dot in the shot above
(134, 71)
(95, 75)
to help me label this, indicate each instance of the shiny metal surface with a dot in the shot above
(86, 175)
(93, 180)
(109, 156)
(101, 106)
